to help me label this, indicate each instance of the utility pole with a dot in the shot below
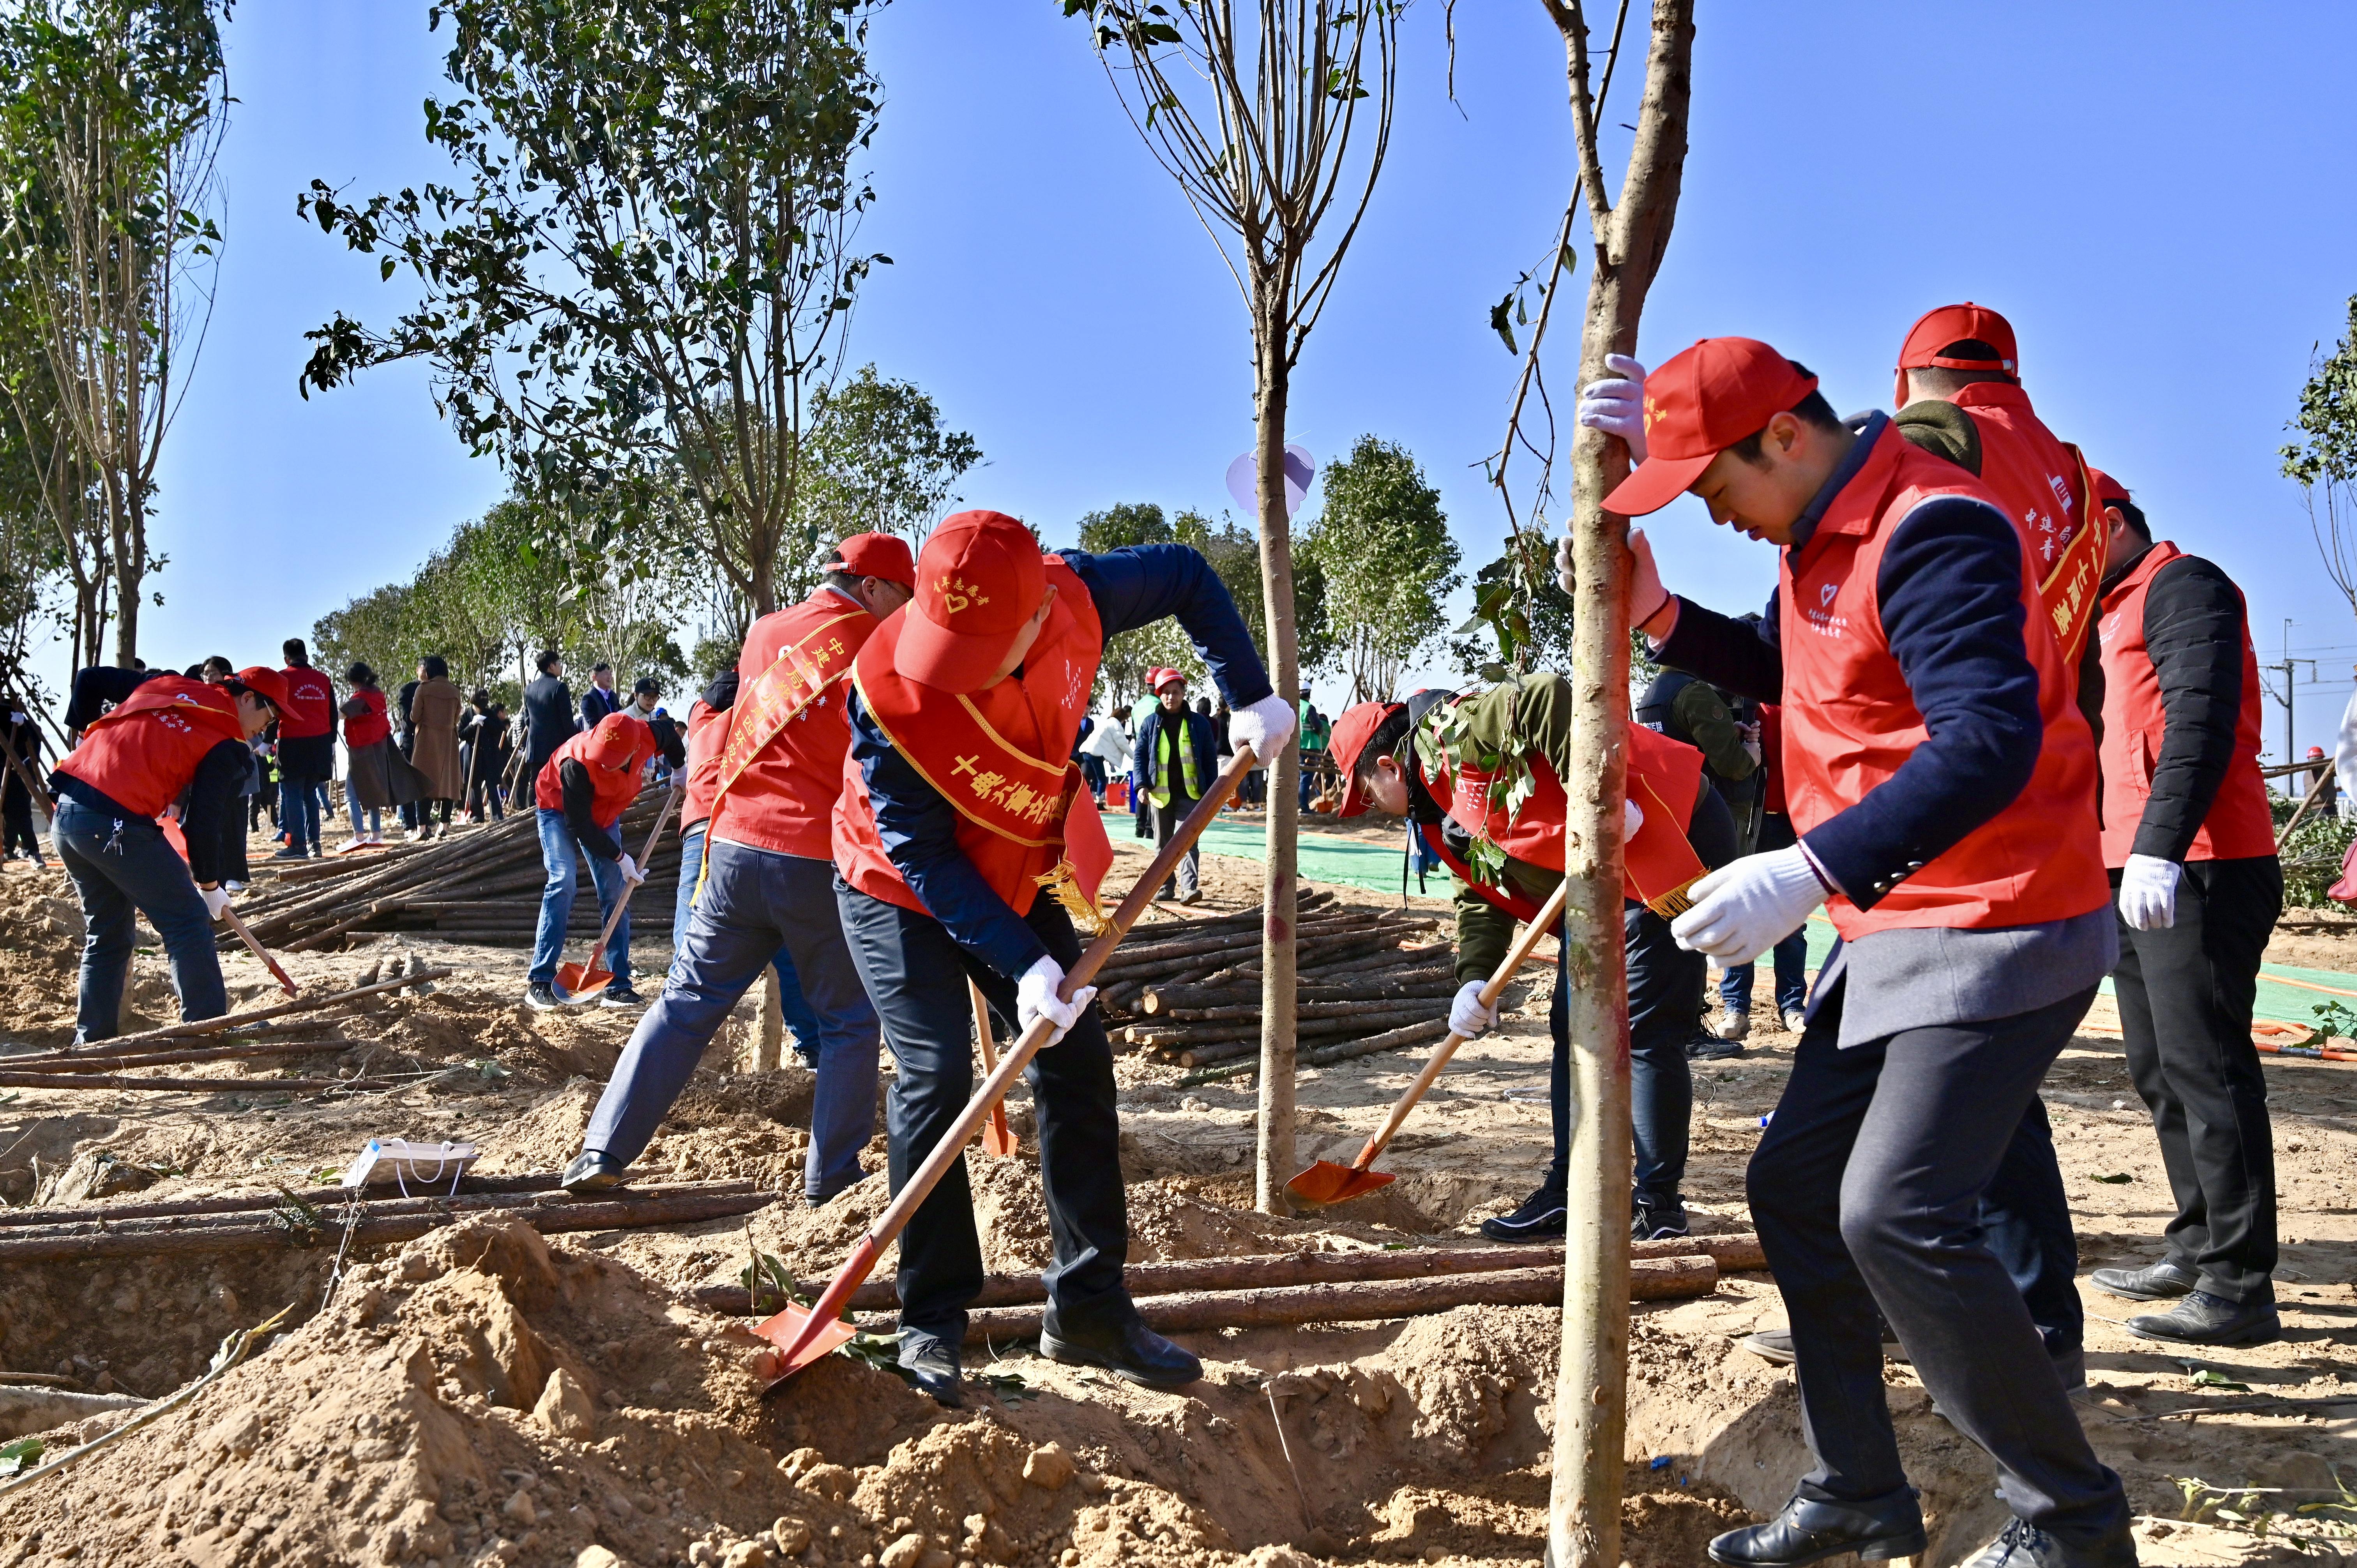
(2291, 747)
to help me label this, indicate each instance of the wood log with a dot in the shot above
(379, 1202)
(257, 1033)
(1171, 953)
(550, 1215)
(72, 1067)
(1730, 1254)
(1379, 1016)
(71, 1081)
(1652, 1279)
(469, 1185)
(1176, 1000)
(228, 1021)
(1352, 1007)
(1390, 1040)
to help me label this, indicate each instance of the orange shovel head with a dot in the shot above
(999, 1139)
(580, 981)
(1327, 1182)
(798, 1345)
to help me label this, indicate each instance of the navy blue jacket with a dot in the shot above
(1130, 589)
(1950, 590)
(1148, 743)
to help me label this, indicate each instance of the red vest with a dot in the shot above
(2041, 484)
(783, 799)
(310, 704)
(2239, 826)
(368, 728)
(613, 753)
(1849, 722)
(704, 739)
(1001, 757)
(144, 754)
(1656, 865)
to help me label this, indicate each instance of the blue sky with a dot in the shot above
(2149, 192)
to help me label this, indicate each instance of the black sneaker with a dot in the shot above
(540, 999)
(932, 1363)
(2205, 1319)
(292, 852)
(1706, 1048)
(620, 995)
(1540, 1218)
(1655, 1219)
(2154, 1281)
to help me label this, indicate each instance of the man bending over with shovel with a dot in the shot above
(1414, 761)
(582, 791)
(960, 838)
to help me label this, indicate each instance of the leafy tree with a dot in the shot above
(2324, 463)
(879, 461)
(110, 120)
(1382, 543)
(644, 271)
(1541, 639)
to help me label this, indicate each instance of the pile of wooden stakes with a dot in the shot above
(1191, 989)
(481, 884)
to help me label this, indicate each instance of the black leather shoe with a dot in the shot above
(932, 1363)
(1808, 1532)
(1127, 1347)
(593, 1171)
(1776, 1345)
(2154, 1281)
(1540, 1218)
(2205, 1319)
(2023, 1545)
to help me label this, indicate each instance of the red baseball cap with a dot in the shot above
(1936, 329)
(879, 555)
(1163, 676)
(2107, 488)
(1348, 740)
(265, 683)
(979, 580)
(1697, 406)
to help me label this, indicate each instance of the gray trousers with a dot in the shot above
(1166, 828)
(753, 903)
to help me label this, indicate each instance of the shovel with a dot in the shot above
(997, 1141)
(804, 1333)
(1327, 1182)
(578, 981)
(245, 934)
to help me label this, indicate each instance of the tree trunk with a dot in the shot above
(1275, 1164)
(1591, 1384)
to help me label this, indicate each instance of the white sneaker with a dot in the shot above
(1732, 1025)
(1796, 1020)
(232, 886)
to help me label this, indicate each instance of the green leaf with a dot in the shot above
(2116, 1179)
(19, 1455)
(2211, 1378)
(1501, 321)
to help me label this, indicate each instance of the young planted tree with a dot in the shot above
(643, 277)
(2324, 460)
(109, 124)
(1274, 122)
(1384, 546)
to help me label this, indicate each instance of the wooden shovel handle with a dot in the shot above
(646, 853)
(245, 934)
(1550, 916)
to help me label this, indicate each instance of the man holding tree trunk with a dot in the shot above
(1939, 772)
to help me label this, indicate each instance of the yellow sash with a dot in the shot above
(796, 677)
(2068, 592)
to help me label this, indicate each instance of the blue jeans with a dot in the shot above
(299, 813)
(556, 853)
(753, 902)
(800, 1020)
(122, 869)
(1792, 957)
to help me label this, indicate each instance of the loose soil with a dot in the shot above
(484, 1396)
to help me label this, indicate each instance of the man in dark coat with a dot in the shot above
(548, 716)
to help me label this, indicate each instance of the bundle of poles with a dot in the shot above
(481, 886)
(1191, 990)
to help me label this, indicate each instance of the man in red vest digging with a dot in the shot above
(582, 791)
(1413, 761)
(169, 740)
(963, 840)
(768, 879)
(2192, 846)
(1939, 774)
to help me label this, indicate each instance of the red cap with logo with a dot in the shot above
(1936, 330)
(2108, 490)
(265, 683)
(1697, 406)
(979, 580)
(879, 555)
(1348, 740)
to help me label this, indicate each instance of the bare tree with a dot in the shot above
(113, 122)
(2324, 461)
(1256, 118)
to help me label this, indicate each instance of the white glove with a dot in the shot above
(631, 875)
(1467, 1016)
(1263, 726)
(1751, 743)
(1632, 817)
(1749, 906)
(1036, 997)
(216, 900)
(2148, 892)
(1617, 407)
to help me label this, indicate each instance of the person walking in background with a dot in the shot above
(1138, 710)
(1109, 745)
(22, 736)
(372, 780)
(601, 698)
(434, 709)
(2190, 839)
(487, 751)
(548, 718)
(1317, 735)
(307, 750)
(1092, 771)
(1175, 761)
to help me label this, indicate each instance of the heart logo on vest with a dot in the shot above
(1825, 593)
